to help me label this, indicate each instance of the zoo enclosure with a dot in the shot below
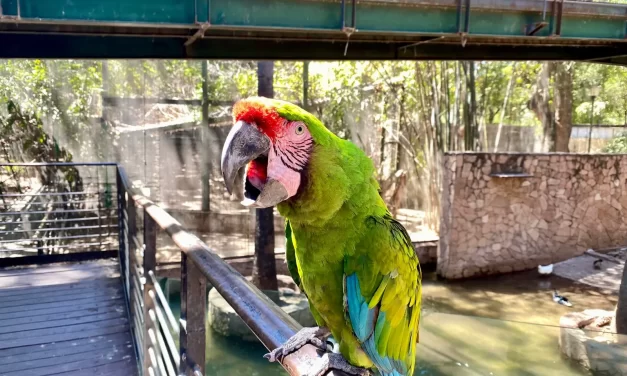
(56, 212)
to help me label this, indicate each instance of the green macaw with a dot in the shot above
(355, 263)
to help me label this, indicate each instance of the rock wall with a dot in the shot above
(509, 212)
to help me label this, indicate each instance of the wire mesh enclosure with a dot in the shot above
(57, 209)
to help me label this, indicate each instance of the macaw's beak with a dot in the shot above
(245, 143)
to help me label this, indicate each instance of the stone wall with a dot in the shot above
(543, 209)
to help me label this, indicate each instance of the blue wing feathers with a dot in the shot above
(362, 329)
(368, 325)
(354, 299)
(383, 363)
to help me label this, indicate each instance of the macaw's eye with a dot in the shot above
(299, 130)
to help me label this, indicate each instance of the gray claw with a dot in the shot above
(331, 361)
(316, 336)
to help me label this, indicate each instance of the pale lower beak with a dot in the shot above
(272, 193)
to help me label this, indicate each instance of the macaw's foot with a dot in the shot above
(331, 361)
(316, 336)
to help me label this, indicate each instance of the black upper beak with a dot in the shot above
(243, 144)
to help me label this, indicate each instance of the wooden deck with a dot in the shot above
(65, 319)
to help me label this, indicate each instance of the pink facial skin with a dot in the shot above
(289, 155)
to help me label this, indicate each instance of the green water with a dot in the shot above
(449, 345)
(231, 357)
(456, 337)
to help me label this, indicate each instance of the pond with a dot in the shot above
(504, 325)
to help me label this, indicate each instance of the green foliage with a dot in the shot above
(618, 145)
(611, 104)
(23, 134)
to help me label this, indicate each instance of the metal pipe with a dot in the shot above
(64, 246)
(63, 202)
(138, 307)
(166, 333)
(558, 25)
(164, 302)
(57, 220)
(158, 323)
(55, 202)
(343, 14)
(139, 287)
(52, 238)
(467, 17)
(151, 363)
(165, 357)
(47, 194)
(53, 211)
(354, 14)
(138, 244)
(56, 229)
(59, 164)
(139, 272)
(152, 333)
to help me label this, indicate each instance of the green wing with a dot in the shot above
(383, 294)
(290, 256)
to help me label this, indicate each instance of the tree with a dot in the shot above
(471, 131)
(563, 99)
(540, 104)
(264, 264)
(554, 108)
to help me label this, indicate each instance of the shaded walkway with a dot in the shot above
(64, 319)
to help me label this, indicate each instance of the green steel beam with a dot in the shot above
(313, 29)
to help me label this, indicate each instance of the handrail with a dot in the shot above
(267, 321)
(59, 164)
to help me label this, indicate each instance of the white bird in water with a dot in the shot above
(545, 269)
(557, 298)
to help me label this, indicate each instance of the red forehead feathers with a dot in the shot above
(258, 111)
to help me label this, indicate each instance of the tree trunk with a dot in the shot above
(391, 128)
(264, 265)
(621, 309)
(497, 140)
(563, 99)
(306, 85)
(471, 133)
(540, 105)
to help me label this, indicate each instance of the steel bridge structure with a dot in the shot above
(315, 29)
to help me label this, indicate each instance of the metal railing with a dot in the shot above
(153, 324)
(51, 212)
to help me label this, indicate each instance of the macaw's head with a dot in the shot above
(266, 153)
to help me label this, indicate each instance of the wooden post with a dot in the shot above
(150, 262)
(204, 166)
(121, 206)
(131, 212)
(264, 263)
(193, 308)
